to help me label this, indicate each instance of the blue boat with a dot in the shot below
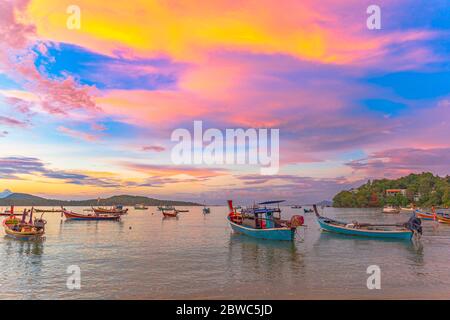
(393, 231)
(264, 222)
(430, 215)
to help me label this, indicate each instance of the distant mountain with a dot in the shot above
(23, 199)
(5, 193)
(325, 203)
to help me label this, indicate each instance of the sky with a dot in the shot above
(88, 112)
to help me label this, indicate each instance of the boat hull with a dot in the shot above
(424, 216)
(283, 234)
(77, 216)
(444, 220)
(30, 235)
(109, 211)
(405, 235)
(170, 214)
(391, 211)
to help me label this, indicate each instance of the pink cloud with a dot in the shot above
(12, 122)
(403, 161)
(153, 148)
(55, 96)
(78, 134)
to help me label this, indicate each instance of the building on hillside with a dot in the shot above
(393, 192)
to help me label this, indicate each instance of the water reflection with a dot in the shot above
(24, 247)
(262, 255)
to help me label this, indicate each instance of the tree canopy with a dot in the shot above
(423, 190)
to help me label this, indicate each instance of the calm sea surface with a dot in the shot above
(198, 257)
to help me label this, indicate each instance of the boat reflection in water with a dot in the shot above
(259, 254)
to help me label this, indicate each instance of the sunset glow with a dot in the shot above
(89, 112)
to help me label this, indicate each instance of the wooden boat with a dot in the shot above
(296, 207)
(182, 210)
(443, 219)
(117, 210)
(308, 210)
(206, 210)
(390, 209)
(47, 210)
(170, 213)
(140, 207)
(161, 208)
(264, 223)
(425, 215)
(19, 229)
(70, 215)
(406, 209)
(392, 231)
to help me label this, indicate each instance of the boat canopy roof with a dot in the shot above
(272, 202)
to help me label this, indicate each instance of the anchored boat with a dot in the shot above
(433, 215)
(161, 208)
(170, 213)
(70, 215)
(140, 207)
(264, 222)
(206, 210)
(395, 231)
(390, 209)
(117, 210)
(20, 229)
(48, 210)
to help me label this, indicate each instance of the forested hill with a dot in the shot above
(22, 199)
(423, 189)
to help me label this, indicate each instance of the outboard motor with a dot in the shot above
(39, 223)
(414, 224)
(296, 221)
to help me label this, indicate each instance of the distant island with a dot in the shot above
(423, 190)
(23, 199)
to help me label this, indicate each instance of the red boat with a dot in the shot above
(170, 213)
(77, 216)
(117, 210)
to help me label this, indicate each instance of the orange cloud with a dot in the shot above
(189, 31)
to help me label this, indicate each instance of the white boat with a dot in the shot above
(391, 209)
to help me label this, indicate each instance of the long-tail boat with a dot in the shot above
(263, 222)
(206, 210)
(140, 207)
(20, 229)
(117, 210)
(70, 215)
(390, 209)
(166, 207)
(48, 210)
(172, 213)
(425, 215)
(395, 231)
(433, 215)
